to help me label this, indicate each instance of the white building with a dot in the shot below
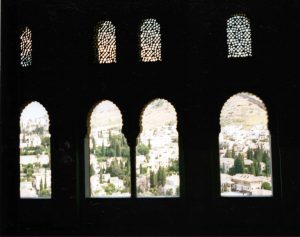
(246, 183)
(226, 163)
(118, 183)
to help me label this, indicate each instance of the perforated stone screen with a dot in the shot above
(239, 37)
(26, 48)
(150, 41)
(106, 43)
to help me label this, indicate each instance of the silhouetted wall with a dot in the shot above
(195, 75)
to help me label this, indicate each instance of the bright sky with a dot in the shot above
(32, 111)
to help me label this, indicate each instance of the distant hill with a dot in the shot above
(160, 112)
(106, 115)
(244, 109)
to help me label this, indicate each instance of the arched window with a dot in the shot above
(106, 42)
(157, 157)
(245, 147)
(35, 165)
(109, 163)
(239, 37)
(150, 41)
(26, 47)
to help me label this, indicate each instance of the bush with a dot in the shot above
(110, 189)
(266, 186)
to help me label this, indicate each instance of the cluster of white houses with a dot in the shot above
(29, 136)
(163, 141)
(97, 186)
(234, 136)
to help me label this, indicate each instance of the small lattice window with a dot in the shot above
(150, 41)
(106, 42)
(26, 47)
(239, 37)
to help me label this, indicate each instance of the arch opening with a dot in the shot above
(245, 148)
(35, 164)
(109, 154)
(157, 152)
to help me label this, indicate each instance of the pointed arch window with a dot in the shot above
(26, 47)
(245, 148)
(150, 41)
(35, 165)
(239, 37)
(157, 152)
(109, 154)
(106, 42)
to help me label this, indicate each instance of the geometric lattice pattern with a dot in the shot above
(26, 47)
(150, 40)
(239, 37)
(106, 42)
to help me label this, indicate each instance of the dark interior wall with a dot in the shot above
(195, 75)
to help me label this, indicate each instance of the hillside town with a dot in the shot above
(109, 153)
(35, 171)
(244, 148)
(157, 163)
(157, 167)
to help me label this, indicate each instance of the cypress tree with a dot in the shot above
(159, 177)
(149, 144)
(163, 176)
(152, 179)
(101, 176)
(41, 185)
(141, 169)
(239, 165)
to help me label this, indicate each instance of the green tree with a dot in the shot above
(92, 170)
(228, 154)
(126, 181)
(177, 191)
(233, 152)
(101, 176)
(257, 167)
(239, 165)
(174, 167)
(45, 184)
(115, 170)
(266, 186)
(142, 149)
(153, 179)
(45, 141)
(141, 169)
(250, 154)
(41, 185)
(38, 150)
(161, 176)
(103, 153)
(110, 189)
(118, 152)
(169, 192)
(93, 150)
(28, 170)
(252, 169)
(268, 166)
(125, 151)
